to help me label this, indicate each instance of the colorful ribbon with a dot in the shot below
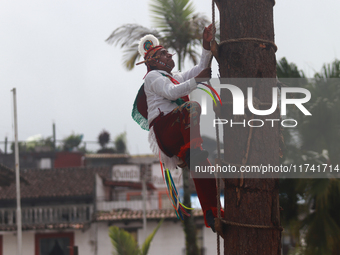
(173, 194)
(213, 90)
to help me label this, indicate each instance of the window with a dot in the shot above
(132, 196)
(54, 244)
(45, 163)
(163, 200)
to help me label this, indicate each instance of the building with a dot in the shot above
(7, 176)
(70, 210)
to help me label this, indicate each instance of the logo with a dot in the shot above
(279, 99)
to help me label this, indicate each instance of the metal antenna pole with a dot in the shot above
(17, 176)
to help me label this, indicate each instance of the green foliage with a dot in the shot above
(104, 139)
(315, 141)
(290, 190)
(125, 244)
(21, 145)
(181, 28)
(322, 131)
(38, 145)
(288, 70)
(178, 28)
(330, 70)
(72, 142)
(322, 223)
(146, 245)
(127, 36)
(120, 143)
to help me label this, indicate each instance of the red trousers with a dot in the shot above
(178, 131)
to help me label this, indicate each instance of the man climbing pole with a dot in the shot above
(162, 106)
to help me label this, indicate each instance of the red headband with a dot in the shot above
(149, 54)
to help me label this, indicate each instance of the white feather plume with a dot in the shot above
(143, 40)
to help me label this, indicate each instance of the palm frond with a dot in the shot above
(177, 25)
(330, 70)
(322, 233)
(193, 55)
(288, 70)
(147, 242)
(131, 56)
(128, 34)
(181, 28)
(123, 242)
(170, 13)
(320, 190)
(127, 37)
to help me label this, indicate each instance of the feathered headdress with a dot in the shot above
(147, 47)
(146, 43)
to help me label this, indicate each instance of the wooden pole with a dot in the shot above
(247, 50)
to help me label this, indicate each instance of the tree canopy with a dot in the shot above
(176, 24)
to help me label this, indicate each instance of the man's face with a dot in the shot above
(164, 61)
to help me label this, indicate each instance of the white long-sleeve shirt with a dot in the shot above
(161, 92)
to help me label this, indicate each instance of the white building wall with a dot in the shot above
(9, 240)
(9, 243)
(100, 190)
(105, 246)
(85, 241)
(168, 240)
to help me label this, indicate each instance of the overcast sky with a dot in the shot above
(54, 53)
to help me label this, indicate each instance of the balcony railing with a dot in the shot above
(48, 214)
(152, 203)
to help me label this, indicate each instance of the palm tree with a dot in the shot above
(104, 139)
(176, 24)
(316, 141)
(290, 189)
(72, 142)
(322, 131)
(321, 135)
(288, 70)
(120, 143)
(125, 244)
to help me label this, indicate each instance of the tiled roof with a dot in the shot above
(45, 226)
(118, 215)
(117, 155)
(147, 156)
(106, 155)
(132, 185)
(62, 182)
(7, 176)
